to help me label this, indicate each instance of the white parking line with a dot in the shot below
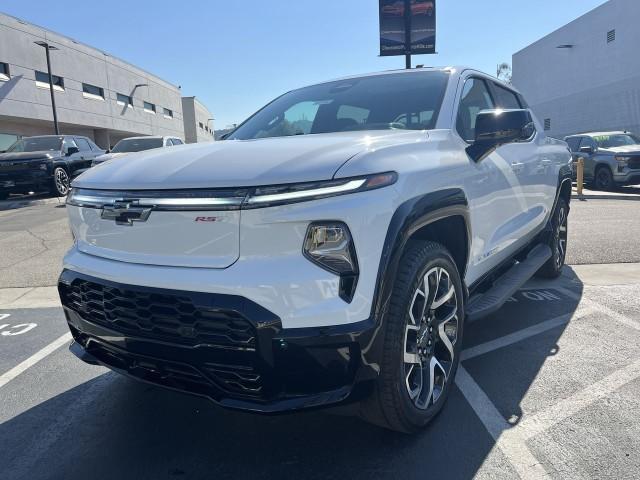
(505, 435)
(523, 334)
(33, 359)
(601, 308)
(555, 414)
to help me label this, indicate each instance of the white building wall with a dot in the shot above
(593, 86)
(26, 109)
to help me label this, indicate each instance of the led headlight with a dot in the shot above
(330, 246)
(300, 192)
(623, 162)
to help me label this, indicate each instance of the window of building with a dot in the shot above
(167, 113)
(123, 100)
(149, 107)
(611, 36)
(201, 125)
(475, 98)
(547, 124)
(92, 92)
(42, 81)
(4, 71)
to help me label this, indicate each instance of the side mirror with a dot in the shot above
(586, 149)
(72, 150)
(499, 127)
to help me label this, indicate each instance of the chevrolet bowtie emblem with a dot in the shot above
(125, 213)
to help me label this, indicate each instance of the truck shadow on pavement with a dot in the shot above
(113, 427)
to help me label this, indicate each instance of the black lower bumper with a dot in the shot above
(223, 347)
(24, 181)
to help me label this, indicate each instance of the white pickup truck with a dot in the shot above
(330, 250)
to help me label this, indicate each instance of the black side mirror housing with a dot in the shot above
(586, 149)
(500, 127)
(72, 150)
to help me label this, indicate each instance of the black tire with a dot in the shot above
(603, 179)
(557, 241)
(394, 403)
(60, 183)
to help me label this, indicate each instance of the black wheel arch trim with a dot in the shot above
(408, 218)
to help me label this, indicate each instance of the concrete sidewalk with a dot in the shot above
(623, 193)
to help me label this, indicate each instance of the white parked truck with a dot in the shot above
(330, 250)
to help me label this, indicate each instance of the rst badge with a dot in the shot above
(206, 219)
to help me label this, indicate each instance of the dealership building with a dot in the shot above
(96, 94)
(586, 75)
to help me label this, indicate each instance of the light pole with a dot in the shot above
(48, 47)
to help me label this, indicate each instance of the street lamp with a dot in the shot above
(47, 48)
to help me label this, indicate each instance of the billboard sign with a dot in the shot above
(407, 27)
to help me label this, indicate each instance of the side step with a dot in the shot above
(484, 304)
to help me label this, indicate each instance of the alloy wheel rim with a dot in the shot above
(603, 179)
(62, 181)
(430, 336)
(561, 238)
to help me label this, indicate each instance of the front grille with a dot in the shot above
(158, 315)
(238, 380)
(634, 163)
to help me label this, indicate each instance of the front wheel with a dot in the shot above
(423, 337)
(60, 183)
(604, 179)
(557, 241)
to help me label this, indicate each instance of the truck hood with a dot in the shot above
(241, 163)
(14, 156)
(631, 149)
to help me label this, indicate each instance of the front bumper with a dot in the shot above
(224, 347)
(627, 177)
(21, 180)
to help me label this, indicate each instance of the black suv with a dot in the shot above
(45, 163)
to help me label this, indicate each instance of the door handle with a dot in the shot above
(517, 166)
(545, 161)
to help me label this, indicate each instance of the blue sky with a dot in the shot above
(236, 55)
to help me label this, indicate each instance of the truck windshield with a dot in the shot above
(408, 101)
(37, 144)
(136, 145)
(617, 140)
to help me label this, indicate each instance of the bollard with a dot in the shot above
(580, 174)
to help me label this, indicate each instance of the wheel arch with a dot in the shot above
(441, 216)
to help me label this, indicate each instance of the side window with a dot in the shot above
(168, 143)
(574, 143)
(350, 116)
(68, 142)
(588, 142)
(475, 97)
(177, 141)
(83, 145)
(505, 98)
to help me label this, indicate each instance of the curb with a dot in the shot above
(15, 204)
(575, 196)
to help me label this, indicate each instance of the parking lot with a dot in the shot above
(548, 385)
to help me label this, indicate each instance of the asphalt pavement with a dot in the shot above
(548, 386)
